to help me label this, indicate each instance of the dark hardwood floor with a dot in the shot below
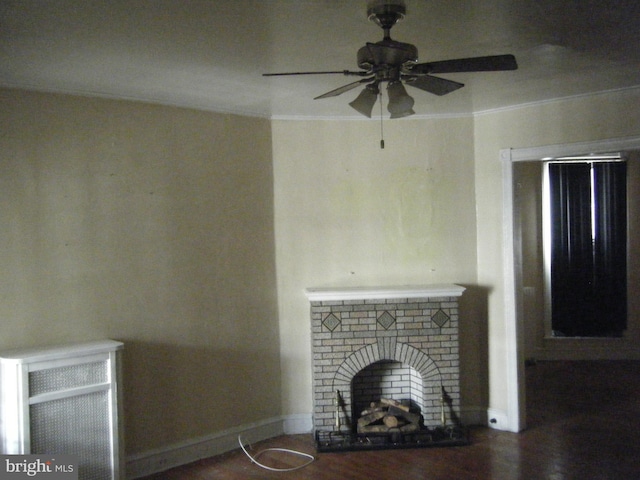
(583, 421)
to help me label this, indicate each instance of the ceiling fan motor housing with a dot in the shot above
(386, 53)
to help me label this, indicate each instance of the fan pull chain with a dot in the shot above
(381, 125)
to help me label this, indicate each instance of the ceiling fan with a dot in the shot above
(396, 63)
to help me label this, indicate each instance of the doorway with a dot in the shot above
(521, 295)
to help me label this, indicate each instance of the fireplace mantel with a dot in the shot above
(327, 294)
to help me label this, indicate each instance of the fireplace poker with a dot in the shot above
(443, 416)
(337, 410)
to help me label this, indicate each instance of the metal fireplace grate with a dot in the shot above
(446, 436)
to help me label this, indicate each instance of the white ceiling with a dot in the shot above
(211, 54)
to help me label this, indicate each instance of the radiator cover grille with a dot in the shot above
(64, 400)
(62, 378)
(76, 426)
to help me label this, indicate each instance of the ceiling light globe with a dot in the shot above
(400, 102)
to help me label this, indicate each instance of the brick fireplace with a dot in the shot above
(398, 342)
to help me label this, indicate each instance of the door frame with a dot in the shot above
(513, 297)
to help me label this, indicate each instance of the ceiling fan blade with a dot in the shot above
(491, 63)
(435, 85)
(344, 88)
(334, 72)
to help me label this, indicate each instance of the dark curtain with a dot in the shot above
(588, 249)
(610, 247)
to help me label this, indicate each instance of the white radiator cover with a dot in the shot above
(64, 400)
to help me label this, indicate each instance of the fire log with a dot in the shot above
(373, 429)
(394, 403)
(370, 418)
(408, 416)
(390, 421)
(374, 409)
(410, 427)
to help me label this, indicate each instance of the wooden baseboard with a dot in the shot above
(159, 460)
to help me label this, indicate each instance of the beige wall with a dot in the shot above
(580, 119)
(155, 226)
(349, 213)
(150, 225)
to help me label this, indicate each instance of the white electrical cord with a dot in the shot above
(310, 458)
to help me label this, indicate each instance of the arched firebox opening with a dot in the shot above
(380, 361)
(387, 379)
(384, 383)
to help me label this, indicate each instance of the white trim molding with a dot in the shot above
(182, 453)
(377, 293)
(564, 150)
(515, 418)
(499, 419)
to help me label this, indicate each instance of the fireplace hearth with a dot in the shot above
(388, 342)
(447, 436)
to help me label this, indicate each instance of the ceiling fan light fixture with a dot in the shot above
(392, 62)
(406, 113)
(365, 101)
(400, 102)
